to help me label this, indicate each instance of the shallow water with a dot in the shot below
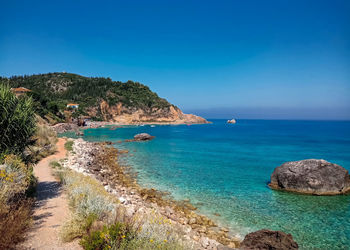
(225, 169)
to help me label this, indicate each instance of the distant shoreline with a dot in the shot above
(72, 127)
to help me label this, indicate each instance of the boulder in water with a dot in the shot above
(79, 133)
(141, 137)
(268, 239)
(318, 177)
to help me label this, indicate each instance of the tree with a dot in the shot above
(17, 121)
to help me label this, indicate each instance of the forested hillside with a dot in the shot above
(98, 97)
(55, 90)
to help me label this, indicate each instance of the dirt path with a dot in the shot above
(51, 209)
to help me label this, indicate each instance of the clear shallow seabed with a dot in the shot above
(224, 168)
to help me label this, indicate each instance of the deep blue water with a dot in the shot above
(225, 169)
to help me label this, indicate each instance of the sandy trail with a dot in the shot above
(51, 208)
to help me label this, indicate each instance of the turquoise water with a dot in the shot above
(225, 169)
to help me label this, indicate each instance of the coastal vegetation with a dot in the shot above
(101, 223)
(17, 126)
(69, 145)
(17, 122)
(16, 185)
(53, 91)
(25, 139)
(45, 139)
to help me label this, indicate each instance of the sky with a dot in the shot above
(220, 59)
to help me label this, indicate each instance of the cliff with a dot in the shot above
(122, 114)
(99, 98)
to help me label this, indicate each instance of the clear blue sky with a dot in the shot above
(242, 59)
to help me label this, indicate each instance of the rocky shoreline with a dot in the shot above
(100, 161)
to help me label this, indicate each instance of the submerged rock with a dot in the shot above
(318, 177)
(268, 239)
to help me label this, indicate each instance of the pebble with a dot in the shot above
(122, 200)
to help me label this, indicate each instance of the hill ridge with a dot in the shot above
(99, 98)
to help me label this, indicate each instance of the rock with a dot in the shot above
(222, 247)
(122, 200)
(267, 239)
(143, 137)
(64, 127)
(96, 168)
(81, 122)
(192, 221)
(79, 133)
(232, 245)
(204, 241)
(312, 176)
(232, 121)
(169, 211)
(224, 229)
(130, 211)
(195, 237)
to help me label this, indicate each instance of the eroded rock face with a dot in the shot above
(312, 176)
(125, 115)
(268, 239)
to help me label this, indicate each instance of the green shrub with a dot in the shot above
(114, 236)
(16, 179)
(89, 202)
(69, 145)
(103, 224)
(55, 164)
(17, 122)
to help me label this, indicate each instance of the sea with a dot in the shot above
(224, 169)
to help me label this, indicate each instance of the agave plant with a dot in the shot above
(17, 121)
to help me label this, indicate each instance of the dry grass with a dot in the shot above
(15, 219)
(16, 179)
(45, 143)
(89, 202)
(94, 209)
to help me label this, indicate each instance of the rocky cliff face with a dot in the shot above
(125, 115)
